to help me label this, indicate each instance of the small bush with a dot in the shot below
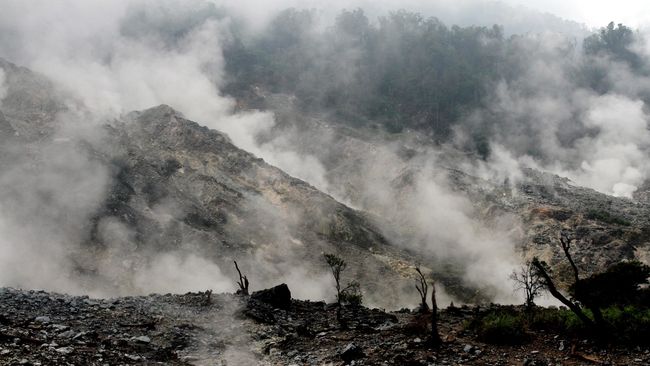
(631, 324)
(556, 320)
(351, 295)
(500, 327)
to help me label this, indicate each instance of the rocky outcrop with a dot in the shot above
(278, 296)
(32, 101)
(228, 204)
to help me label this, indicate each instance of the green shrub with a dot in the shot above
(631, 324)
(500, 327)
(556, 320)
(351, 295)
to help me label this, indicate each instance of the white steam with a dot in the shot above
(432, 219)
(83, 48)
(3, 87)
(549, 122)
(179, 272)
(616, 159)
(87, 50)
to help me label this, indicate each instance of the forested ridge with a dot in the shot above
(406, 71)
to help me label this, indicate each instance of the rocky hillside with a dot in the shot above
(226, 203)
(166, 187)
(170, 186)
(539, 205)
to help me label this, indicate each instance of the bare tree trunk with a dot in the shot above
(553, 290)
(422, 288)
(243, 282)
(435, 336)
(565, 241)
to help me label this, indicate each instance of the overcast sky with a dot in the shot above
(594, 13)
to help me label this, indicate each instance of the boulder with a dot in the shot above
(351, 352)
(278, 296)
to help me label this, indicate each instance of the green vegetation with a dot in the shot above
(613, 306)
(404, 71)
(348, 295)
(606, 217)
(629, 325)
(620, 285)
(500, 327)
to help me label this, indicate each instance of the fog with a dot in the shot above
(108, 58)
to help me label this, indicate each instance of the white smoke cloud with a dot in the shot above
(85, 49)
(3, 87)
(547, 121)
(46, 196)
(451, 230)
(615, 161)
(179, 272)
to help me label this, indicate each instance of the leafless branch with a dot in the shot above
(243, 282)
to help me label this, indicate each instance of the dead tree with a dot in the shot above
(243, 282)
(528, 280)
(565, 242)
(550, 285)
(435, 335)
(423, 289)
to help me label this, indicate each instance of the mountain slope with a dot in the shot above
(154, 202)
(364, 164)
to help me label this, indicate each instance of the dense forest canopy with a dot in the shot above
(404, 71)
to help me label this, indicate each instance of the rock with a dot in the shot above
(142, 339)
(60, 328)
(42, 319)
(67, 334)
(468, 348)
(133, 357)
(65, 350)
(561, 348)
(278, 296)
(351, 352)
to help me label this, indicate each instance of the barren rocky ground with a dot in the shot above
(267, 328)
